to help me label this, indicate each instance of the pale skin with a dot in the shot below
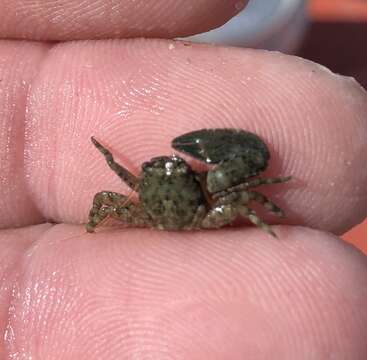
(139, 293)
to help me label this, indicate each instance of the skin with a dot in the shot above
(143, 294)
(73, 19)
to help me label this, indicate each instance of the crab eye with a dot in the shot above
(147, 166)
(169, 167)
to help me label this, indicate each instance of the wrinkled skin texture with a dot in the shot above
(142, 294)
(100, 19)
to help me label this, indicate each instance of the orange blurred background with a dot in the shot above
(341, 10)
(333, 24)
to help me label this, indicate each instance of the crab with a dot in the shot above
(172, 196)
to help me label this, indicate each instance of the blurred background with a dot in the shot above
(330, 32)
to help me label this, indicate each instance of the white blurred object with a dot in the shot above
(266, 24)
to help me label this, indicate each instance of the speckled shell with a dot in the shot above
(169, 192)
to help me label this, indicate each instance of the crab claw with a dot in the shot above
(193, 144)
(215, 145)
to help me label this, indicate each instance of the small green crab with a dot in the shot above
(172, 196)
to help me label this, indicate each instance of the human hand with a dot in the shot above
(234, 293)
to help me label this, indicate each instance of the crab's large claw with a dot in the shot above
(217, 145)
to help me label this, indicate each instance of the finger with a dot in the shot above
(76, 19)
(18, 67)
(141, 94)
(13, 246)
(158, 294)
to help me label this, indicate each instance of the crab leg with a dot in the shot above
(125, 175)
(105, 203)
(251, 184)
(219, 216)
(252, 216)
(225, 214)
(268, 204)
(244, 197)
